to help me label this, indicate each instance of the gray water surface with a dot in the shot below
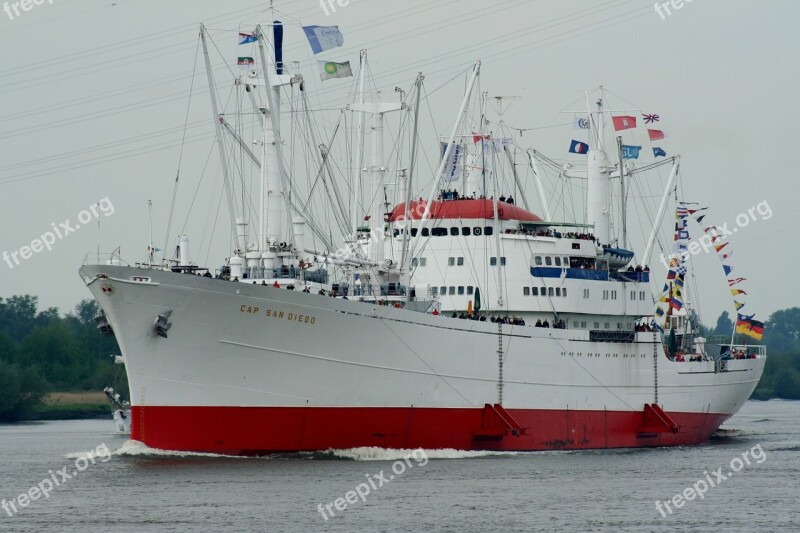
(138, 490)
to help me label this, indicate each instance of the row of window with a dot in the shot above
(452, 290)
(547, 260)
(453, 231)
(544, 291)
(609, 295)
(606, 325)
(454, 261)
(641, 295)
(580, 354)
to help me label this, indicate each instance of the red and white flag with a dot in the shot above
(656, 135)
(624, 123)
(477, 137)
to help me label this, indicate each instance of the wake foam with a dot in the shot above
(372, 453)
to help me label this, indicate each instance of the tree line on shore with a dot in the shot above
(45, 351)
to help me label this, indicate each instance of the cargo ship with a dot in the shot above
(448, 315)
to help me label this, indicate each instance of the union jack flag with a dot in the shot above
(649, 119)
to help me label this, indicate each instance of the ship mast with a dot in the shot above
(357, 167)
(273, 200)
(377, 172)
(598, 210)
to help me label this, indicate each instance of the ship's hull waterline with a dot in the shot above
(249, 369)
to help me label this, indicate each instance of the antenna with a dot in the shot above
(150, 249)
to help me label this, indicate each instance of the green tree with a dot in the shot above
(787, 384)
(724, 325)
(782, 331)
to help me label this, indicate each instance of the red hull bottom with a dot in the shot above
(258, 430)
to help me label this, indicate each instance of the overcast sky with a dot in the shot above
(94, 96)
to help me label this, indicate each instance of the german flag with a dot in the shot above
(747, 326)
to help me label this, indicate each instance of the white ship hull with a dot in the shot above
(253, 369)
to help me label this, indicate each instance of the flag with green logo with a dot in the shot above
(330, 69)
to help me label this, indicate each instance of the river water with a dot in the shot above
(135, 489)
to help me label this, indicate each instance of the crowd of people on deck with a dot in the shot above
(453, 194)
(557, 324)
(553, 233)
(638, 268)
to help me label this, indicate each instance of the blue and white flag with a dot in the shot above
(630, 152)
(582, 123)
(323, 38)
(577, 147)
(246, 38)
(659, 152)
(454, 167)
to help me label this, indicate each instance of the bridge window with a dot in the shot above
(597, 325)
(426, 232)
(413, 232)
(550, 291)
(465, 232)
(452, 291)
(526, 291)
(451, 261)
(585, 293)
(454, 231)
(461, 290)
(538, 260)
(442, 290)
(558, 291)
(492, 261)
(396, 232)
(642, 295)
(477, 231)
(558, 261)
(460, 261)
(633, 295)
(439, 232)
(613, 295)
(534, 291)
(470, 289)
(488, 230)
(564, 292)
(503, 261)
(548, 260)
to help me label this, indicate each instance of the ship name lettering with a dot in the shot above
(248, 309)
(274, 313)
(305, 319)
